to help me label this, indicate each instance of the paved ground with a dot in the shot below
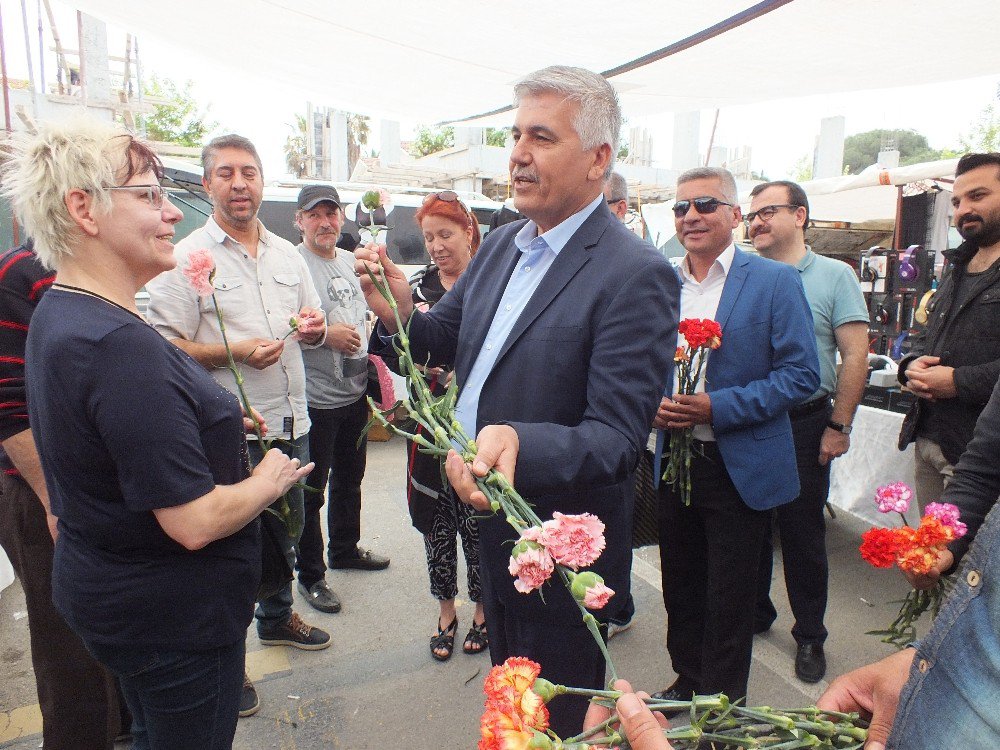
(377, 687)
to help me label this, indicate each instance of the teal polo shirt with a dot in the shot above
(835, 298)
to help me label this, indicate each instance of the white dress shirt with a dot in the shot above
(700, 299)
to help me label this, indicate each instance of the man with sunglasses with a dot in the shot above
(555, 331)
(779, 215)
(744, 460)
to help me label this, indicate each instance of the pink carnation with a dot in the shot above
(385, 383)
(531, 564)
(597, 596)
(893, 498)
(574, 541)
(199, 271)
(948, 515)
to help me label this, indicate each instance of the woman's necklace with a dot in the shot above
(81, 290)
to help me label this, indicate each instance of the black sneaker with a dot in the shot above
(249, 702)
(295, 633)
(363, 559)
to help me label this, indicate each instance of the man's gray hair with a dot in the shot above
(227, 141)
(724, 176)
(598, 118)
(616, 188)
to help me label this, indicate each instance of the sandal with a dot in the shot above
(444, 640)
(478, 640)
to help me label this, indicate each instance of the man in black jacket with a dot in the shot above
(955, 365)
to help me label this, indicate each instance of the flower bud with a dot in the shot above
(371, 200)
(547, 690)
(540, 742)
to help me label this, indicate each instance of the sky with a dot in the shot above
(779, 133)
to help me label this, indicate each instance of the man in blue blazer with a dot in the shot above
(561, 331)
(744, 462)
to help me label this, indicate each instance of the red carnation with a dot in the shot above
(880, 547)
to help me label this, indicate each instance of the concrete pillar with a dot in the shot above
(337, 146)
(687, 136)
(828, 161)
(390, 151)
(94, 51)
(470, 136)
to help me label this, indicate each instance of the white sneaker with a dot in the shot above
(614, 628)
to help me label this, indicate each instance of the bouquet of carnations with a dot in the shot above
(516, 717)
(700, 336)
(913, 550)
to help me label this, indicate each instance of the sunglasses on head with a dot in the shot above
(449, 196)
(704, 205)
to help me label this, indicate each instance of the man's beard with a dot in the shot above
(985, 233)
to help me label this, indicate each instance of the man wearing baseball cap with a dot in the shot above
(336, 383)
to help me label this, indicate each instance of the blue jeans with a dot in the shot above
(951, 697)
(180, 700)
(277, 609)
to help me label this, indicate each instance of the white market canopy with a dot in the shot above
(454, 59)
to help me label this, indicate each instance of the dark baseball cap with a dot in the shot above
(311, 195)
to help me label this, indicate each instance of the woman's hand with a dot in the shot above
(281, 471)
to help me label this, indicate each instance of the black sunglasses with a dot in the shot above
(704, 205)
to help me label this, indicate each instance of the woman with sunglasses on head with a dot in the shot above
(157, 559)
(451, 234)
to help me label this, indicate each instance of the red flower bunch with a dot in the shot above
(701, 332)
(514, 714)
(913, 551)
(700, 335)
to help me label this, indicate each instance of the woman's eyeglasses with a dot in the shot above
(154, 193)
(704, 205)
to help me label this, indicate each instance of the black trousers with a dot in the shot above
(340, 462)
(802, 530)
(78, 697)
(709, 557)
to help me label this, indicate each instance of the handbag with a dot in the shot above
(645, 523)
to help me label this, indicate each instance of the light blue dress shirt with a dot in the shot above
(538, 253)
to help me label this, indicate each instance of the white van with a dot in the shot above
(404, 239)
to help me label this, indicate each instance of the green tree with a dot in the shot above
(295, 147)
(861, 150)
(802, 169)
(497, 136)
(985, 133)
(358, 130)
(432, 140)
(179, 119)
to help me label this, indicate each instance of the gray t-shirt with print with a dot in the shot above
(332, 378)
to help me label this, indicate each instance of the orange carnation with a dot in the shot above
(501, 730)
(508, 691)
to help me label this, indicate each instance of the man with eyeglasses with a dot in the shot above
(739, 417)
(553, 331)
(260, 283)
(779, 215)
(616, 194)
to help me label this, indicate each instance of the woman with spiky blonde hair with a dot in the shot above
(157, 558)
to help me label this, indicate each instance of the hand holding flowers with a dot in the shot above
(919, 553)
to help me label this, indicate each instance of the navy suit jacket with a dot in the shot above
(766, 365)
(579, 378)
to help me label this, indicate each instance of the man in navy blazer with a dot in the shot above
(561, 331)
(744, 462)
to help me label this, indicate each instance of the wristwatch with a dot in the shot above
(844, 428)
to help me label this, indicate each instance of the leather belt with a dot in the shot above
(809, 407)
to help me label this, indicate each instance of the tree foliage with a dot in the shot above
(179, 120)
(985, 133)
(861, 149)
(295, 147)
(432, 140)
(802, 169)
(358, 130)
(497, 136)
